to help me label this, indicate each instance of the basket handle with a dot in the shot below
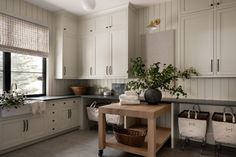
(195, 116)
(230, 112)
(93, 105)
(196, 108)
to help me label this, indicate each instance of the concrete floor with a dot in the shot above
(84, 144)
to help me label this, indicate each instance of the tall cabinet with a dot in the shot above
(106, 50)
(66, 46)
(207, 36)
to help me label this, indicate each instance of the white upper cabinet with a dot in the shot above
(226, 37)
(225, 3)
(66, 46)
(191, 6)
(197, 42)
(102, 52)
(208, 39)
(87, 56)
(111, 46)
(188, 6)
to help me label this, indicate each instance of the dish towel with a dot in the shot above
(129, 97)
(38, 107)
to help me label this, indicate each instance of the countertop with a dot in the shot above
(164, 100)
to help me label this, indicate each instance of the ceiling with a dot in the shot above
(75, 6)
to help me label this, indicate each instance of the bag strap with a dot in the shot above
(230, 112)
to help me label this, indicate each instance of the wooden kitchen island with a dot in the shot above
(156, 136)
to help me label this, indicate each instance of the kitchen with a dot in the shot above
(92, 47)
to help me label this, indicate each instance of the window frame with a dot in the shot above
(7, 74)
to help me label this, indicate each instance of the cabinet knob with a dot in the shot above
(64, 102)
(53, 120)
(106, 26)
(110, 26)
(64, 29)
(73, 101)
(53, 104)
(212, 4)
(90, 30)
(53, 112)
(53, 128)
(218, 3)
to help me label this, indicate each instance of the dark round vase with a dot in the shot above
(152, 96)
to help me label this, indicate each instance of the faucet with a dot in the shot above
(13, 87)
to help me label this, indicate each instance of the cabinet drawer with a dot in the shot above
(54, 105)
(52, 113)
(69, 104)
(52, 121)
(53, 129)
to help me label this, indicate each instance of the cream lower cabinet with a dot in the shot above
(14, 132)
(61, 115)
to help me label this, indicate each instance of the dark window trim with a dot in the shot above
(7, 74)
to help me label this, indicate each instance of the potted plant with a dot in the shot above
(13, 103)
(155, 78)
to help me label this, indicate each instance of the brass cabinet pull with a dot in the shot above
(218, 65)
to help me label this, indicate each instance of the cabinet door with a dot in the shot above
(101, 57)
(197, 42)
(226, 37)
(86, 27)
(102, 23)
(36, 127)
(188, 6)
(70, 56)
(119, 19)
(64, 120)
(119, 53)
(87, 59)
(12, 133)
(225, 3)
(74, 117)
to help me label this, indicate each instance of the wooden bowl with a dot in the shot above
(79, 90)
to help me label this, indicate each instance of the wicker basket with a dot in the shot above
(130, 137)
(79, 90)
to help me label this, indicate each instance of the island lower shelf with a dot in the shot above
(163, 134)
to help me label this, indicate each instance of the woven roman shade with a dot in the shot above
(20, 36)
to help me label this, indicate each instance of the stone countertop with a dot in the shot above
(164, 100)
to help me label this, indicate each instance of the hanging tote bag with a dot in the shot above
(193, 123)
(92, 111)
(224, 127)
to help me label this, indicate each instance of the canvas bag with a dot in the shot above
(225, 132)
(193, 128)
(92, 111)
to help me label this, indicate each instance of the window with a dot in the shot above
(28, 72)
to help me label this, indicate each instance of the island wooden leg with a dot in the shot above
(151, 137)
(101, 133)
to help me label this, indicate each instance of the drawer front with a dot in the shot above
(54, 105)
(52, 113)
(70, 103)
(53, 129)
(52, 121)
